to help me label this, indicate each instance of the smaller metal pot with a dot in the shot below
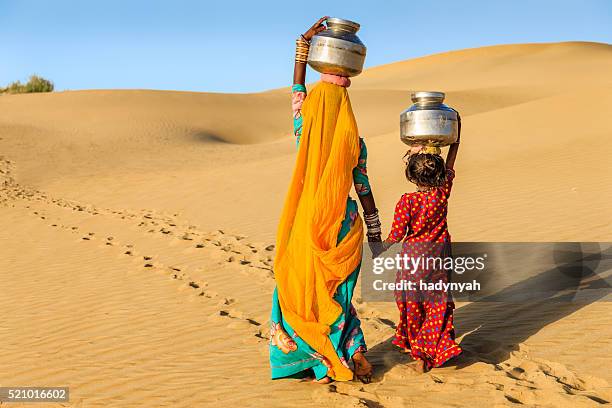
(428, 122)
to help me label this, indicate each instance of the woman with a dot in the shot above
(315, 330)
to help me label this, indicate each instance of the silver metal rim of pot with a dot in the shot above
(433, 96)
(341, 21)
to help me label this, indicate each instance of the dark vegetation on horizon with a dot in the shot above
(34, 84)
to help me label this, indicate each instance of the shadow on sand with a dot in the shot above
(579, 279)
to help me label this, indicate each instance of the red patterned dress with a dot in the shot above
(426, 317)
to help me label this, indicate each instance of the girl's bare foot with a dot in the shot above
(363, 368)
(420, 367)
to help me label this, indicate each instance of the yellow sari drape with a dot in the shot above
(310, 264)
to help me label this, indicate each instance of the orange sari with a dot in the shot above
(310, 263)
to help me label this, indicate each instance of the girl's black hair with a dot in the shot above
(426, 169)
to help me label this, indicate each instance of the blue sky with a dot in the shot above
(248, 46)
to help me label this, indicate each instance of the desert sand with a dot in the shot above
(137, 233)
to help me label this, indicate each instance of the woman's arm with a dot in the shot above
(299, 70)
(452, 151)
(299, 76)
(372, 221)
(364, 192)
(367, 203)
(362, 181)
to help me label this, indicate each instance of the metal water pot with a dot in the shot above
(337, 50)
(428, 122)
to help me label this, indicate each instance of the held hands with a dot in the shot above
(376, 245)
(315, 29)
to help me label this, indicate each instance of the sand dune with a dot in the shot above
(504, 65)
(112, 202)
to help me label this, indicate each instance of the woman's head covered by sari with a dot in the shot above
(310, 264)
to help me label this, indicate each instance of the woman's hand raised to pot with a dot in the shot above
(316, 28)
(299, 71)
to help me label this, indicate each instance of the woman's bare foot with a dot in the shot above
(282, 340)
(363, 368)
(311, 378)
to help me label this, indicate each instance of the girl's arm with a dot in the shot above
(399, 227)
(299, 70)
(401, 221)
(452, 151)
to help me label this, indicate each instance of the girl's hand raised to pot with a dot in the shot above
(458, 125)
(415, 149)
(412, 150)
(316, 28)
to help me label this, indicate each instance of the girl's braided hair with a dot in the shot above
(426, 169)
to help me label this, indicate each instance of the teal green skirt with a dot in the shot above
(345, 334)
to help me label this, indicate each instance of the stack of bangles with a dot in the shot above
(373, 224)
(301, 50)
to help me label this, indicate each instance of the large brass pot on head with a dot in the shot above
(429, 122)
(337, 50)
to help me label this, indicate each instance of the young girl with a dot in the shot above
(425, 329)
